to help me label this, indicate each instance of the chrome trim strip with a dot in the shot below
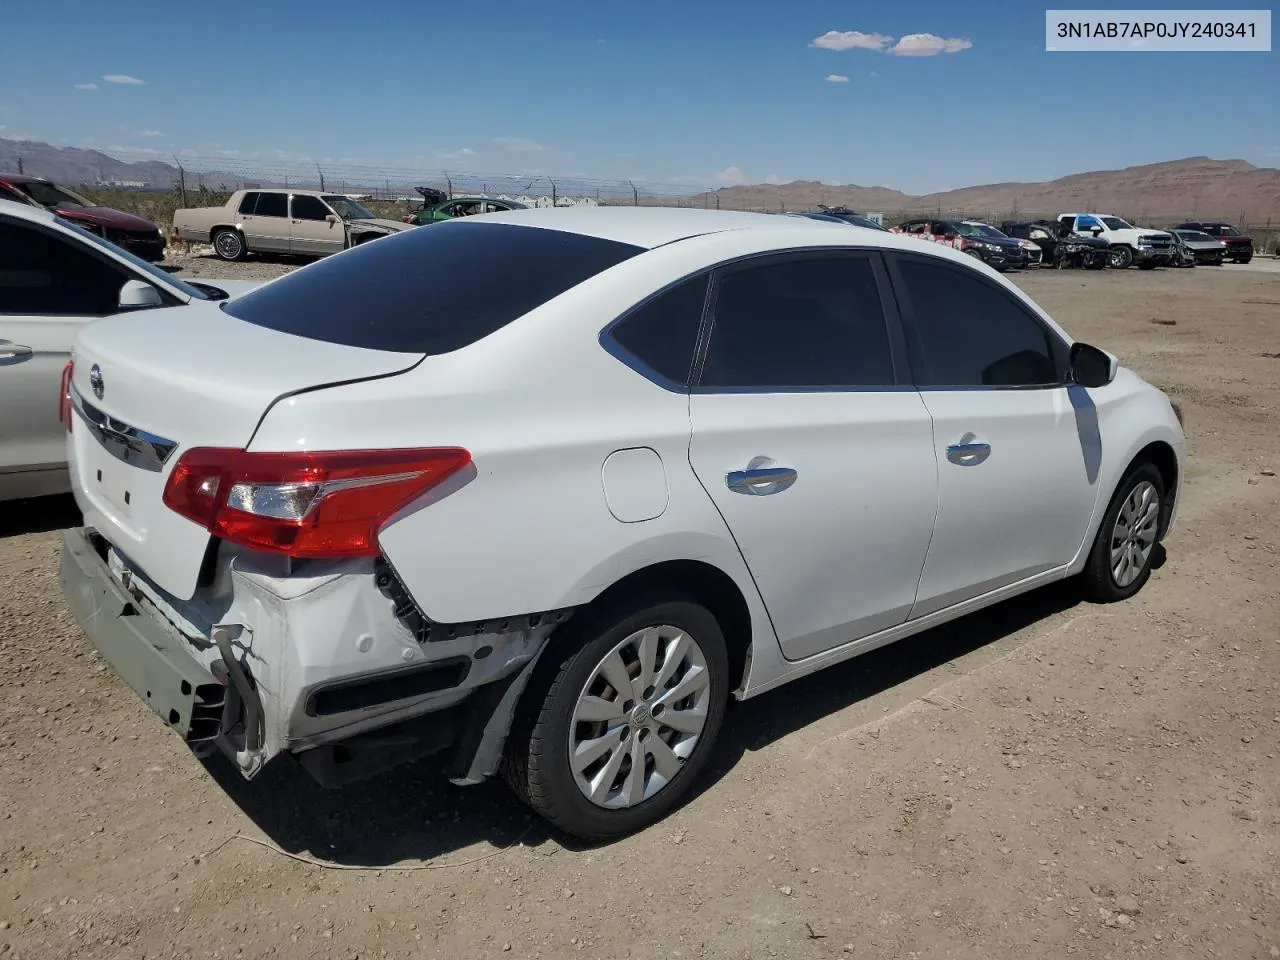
(125, 442)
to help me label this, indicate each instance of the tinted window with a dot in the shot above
(272, 205)
(43, 274)
(971, 334)
(1088, 223)
(663, 333)
(432, 290)
(799, 323)
(247, 202)
(309, 208)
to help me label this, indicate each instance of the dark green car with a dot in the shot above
(460, 207)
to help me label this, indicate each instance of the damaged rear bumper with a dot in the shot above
(327, 665)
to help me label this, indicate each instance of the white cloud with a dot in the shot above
(773, 178)
(927, 45)
(146, 151)
(279, 154)
(188, 152)
(730, 175)
(873, 74)
(86, 86)
(462, 153)
(837, 78)
(517, 144)
(851, 40)
(151, 134)
(3, 127)
(122, 78)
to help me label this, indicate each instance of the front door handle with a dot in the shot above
(968, 453)
(760, 480)
(11, 353)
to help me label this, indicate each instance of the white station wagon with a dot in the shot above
(538, 496)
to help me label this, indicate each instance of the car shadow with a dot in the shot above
(412, 813)
(38, 515)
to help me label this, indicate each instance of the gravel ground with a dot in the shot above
(1045, 779)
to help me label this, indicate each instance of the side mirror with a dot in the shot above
(331, 218)
(136, 295)
(1091, 367)
(1096, 231)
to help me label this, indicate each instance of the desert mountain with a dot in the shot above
(1197, 187)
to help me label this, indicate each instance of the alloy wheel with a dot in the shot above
(639, 717)
(1134, 533)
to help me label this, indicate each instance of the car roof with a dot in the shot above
(22, 178)
(650, 227)
(25, 211)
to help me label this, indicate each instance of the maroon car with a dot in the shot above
(139, 236)
(1239, 247)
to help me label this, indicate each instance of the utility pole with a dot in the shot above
(635, 195)
(449, 182)
(320, 173)
(20, 170)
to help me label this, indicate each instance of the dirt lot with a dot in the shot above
(1042, 780)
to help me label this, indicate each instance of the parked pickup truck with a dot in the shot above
(305, 222)
(1128, 244)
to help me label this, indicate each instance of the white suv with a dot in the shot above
(540, 495)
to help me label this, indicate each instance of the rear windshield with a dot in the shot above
(430, 289)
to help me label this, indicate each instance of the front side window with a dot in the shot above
(272, 205)
(1115, 223)
(309, 208)
(809, 322)
(968, 333)
(43, 274)
(663, 333)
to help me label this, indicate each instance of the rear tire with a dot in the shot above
(1120, 559)
(1244, 259)
(570, 708)
(1094, 261)
(229, 244)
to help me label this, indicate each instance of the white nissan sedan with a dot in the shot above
(538, 496)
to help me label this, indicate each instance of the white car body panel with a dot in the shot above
(865, 474)
(1017, 513)
(584, 472)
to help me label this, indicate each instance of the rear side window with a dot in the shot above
(663, 333)
(272, 205)
(805, 322)
(247, 202)
(429, 289)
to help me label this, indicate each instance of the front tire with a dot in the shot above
(1121, 258)
(229, 245)
(620, 716)
(1244, 259)
(1094, 261)
(1119, 562)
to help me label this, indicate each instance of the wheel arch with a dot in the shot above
(1161, 455)
(706, 584)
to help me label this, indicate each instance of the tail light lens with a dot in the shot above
(304, 505)
(64, 395)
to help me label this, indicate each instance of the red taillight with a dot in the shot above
(304, 505)
(64, 396)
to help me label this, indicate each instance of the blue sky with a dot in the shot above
(689, 93)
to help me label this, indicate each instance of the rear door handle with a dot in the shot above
(759, 480)
(11, 353)
(968, 453)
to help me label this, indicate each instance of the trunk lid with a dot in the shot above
(149, 385)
